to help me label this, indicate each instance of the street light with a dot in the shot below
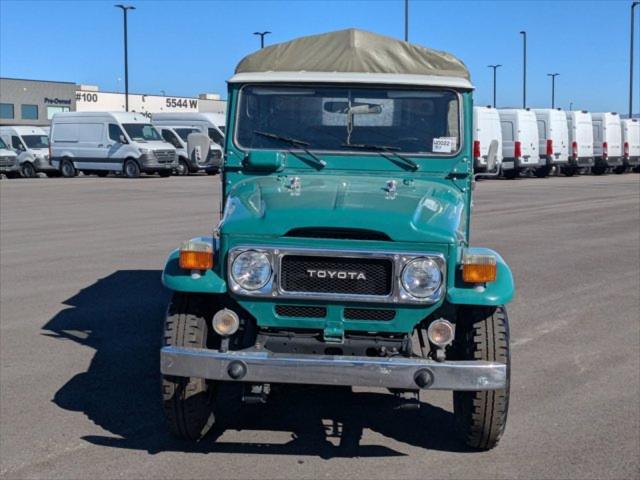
(262, 35)
(495, 67)
(406, 20)
(125, 9)
(524, 69)
(633, 6)
(570, 106)
(553, 88)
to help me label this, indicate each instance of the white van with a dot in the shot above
(553, 135)
(210, 123)
(8, 161)
(581, 141)
(177, 136)
(31, 144)
(607, 142)
(520, 149)
(486, 128)
(631, 142)
(101, 142)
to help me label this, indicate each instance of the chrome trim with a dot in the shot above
(262, 366)
(398, 294)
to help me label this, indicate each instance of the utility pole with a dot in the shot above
(524, 68)
(633, 6)
(406, 20)
(495, 67)
(553, 88)
(125, 9)
(262, 35)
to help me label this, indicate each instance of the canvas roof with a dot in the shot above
(353, 51)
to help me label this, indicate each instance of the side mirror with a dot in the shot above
(198, 146)
(492, 156)
(122, 139)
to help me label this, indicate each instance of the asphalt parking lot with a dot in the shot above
(81, 310)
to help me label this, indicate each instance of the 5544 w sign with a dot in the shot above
(146, 104)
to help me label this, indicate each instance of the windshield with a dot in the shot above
(185, 132)
(350, 119)
(36, 141)
(141, 132)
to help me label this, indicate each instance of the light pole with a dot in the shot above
(125, 9)
(524, 69)
(262, 35)
(406, 20)
(570, 106)
(553, 88)
(495, 67)
(633, 6)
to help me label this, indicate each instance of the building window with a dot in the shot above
(51, 111)
(6, 110)
(29, 112)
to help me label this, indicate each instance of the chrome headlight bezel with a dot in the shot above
(435, 268)
(236, 283)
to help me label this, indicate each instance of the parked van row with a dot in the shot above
(125, 143)
(537, 140)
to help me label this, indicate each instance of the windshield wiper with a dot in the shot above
(386, 149)
(294, 142)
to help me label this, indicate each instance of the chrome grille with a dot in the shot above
(7, 161)
(165, 156)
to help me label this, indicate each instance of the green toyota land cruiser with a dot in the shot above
(342, 255)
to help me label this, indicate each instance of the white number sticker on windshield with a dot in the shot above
(443, 145)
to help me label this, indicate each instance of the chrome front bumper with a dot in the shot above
(261, 366)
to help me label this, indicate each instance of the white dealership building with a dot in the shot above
(34, 102)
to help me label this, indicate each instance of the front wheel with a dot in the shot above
(182, 168)
(599, 169)
(511, 174)
(542, 172)
(131, 169)
(620, 169)
(188, 402)
(482, 333)
(27, 170)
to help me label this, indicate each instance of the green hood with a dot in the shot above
(420, 210)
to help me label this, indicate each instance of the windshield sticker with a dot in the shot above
(444, 145)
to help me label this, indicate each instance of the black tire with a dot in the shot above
(213, 172)
(569, 171)
(27, 170)
(511, 174)
(182, 168)
(620, 169)
(542, 172)
(482, 333)
(102, 173)
(131, 169)
(599, 169)
(164, 173)
(188, 402)
(67, 170)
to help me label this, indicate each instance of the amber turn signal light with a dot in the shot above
(479, 268)
(196, 256)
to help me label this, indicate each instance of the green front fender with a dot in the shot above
(179, 280)
(495, 293)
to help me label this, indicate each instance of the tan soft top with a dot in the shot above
(353, 51)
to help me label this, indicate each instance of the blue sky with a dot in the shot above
(190, 47)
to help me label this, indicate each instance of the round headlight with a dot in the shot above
(421, 278)
(251, 270)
